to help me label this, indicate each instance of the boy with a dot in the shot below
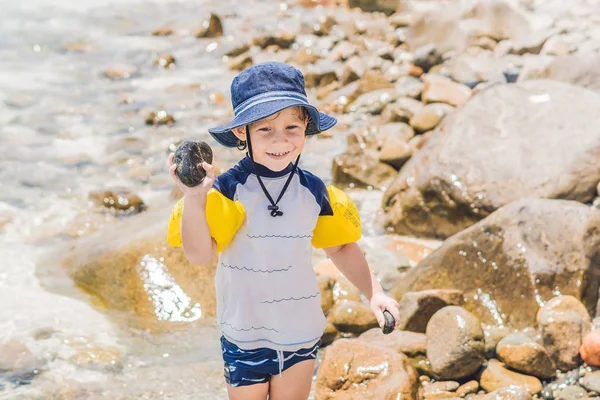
(264, 216)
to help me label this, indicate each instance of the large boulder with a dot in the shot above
(506, 143)
(515, 259)
(579, 69)
(353, 369)
(138, 272)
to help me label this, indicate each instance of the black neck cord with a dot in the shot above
(274, 208)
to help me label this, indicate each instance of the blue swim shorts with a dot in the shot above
(249, 367)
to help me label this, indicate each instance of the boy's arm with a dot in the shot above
(351, 262)
(199, 247)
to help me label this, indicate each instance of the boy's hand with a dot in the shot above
(379, 302)
(199, 191)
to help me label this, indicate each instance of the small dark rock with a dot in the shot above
(212, 27)
(282, 40)
(427, 56)
(241, 62)
(119, 200)
(164, 31)
(160, 117)
(187, 157)
(165, 61)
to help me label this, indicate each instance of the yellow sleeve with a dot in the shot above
(340, 228)
(224, 217)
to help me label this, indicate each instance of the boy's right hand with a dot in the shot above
(199, 191)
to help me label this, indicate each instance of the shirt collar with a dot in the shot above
(263, 171)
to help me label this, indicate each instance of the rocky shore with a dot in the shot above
(477, 121)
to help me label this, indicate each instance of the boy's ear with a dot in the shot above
(240, 133)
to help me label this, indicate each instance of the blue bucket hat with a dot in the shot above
(266, 89)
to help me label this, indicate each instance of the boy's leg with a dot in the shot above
(294, 383)
(257, 391)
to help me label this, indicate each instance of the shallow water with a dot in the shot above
(67, 130)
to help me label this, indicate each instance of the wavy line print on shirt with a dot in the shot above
(291, 298)
(278, 236)
(268, 271)
(252, 328)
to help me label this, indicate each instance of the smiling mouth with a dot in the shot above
(285, 153)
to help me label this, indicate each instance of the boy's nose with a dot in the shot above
(280, 135)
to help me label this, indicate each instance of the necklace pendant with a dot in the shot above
(275, 212)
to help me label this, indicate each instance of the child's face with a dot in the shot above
(276, 140)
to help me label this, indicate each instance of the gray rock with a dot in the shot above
(454, 343)
(591, 381)
(417, 308)
(463, 176)
(572, 393)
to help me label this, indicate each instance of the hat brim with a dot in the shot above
(319, 121)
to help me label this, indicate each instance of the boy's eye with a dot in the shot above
(265, 129)
(292, 126)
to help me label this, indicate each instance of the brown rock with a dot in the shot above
(430, 116)
(352, 317)
(439, 89)
(385, 6)
(563, 322)
(508, 393)
(326, 288)
(160, 117)
(329, 335)
(120, 71)
(399, 130)
(344, 290)
(520, 353)
(143, 276)
(492, 335)
(417, 308)
(15, 356)
(441, 386)
(165, 61)
(305, 56)
(410, 343)
(353, 69)
(420, 141)
(395, 151)
(467, 388)
(319, 77)
(118, 200)
(401, 111)
(235, 48)
(343, 51)
(442, 176)
(164, 31)
(454, 343)
(409, 86)
(495, 377)
(356, 167)
(324, 25)
(427, 56)
(372, 102)
(102, 359)
(241, 62)
(211, 27)
(506, 262)
(590, 351)
(355, 369)
(282, 40)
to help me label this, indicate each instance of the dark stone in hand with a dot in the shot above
(187, 157)
(390, 322)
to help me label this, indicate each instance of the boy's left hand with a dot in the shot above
(380, 302)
